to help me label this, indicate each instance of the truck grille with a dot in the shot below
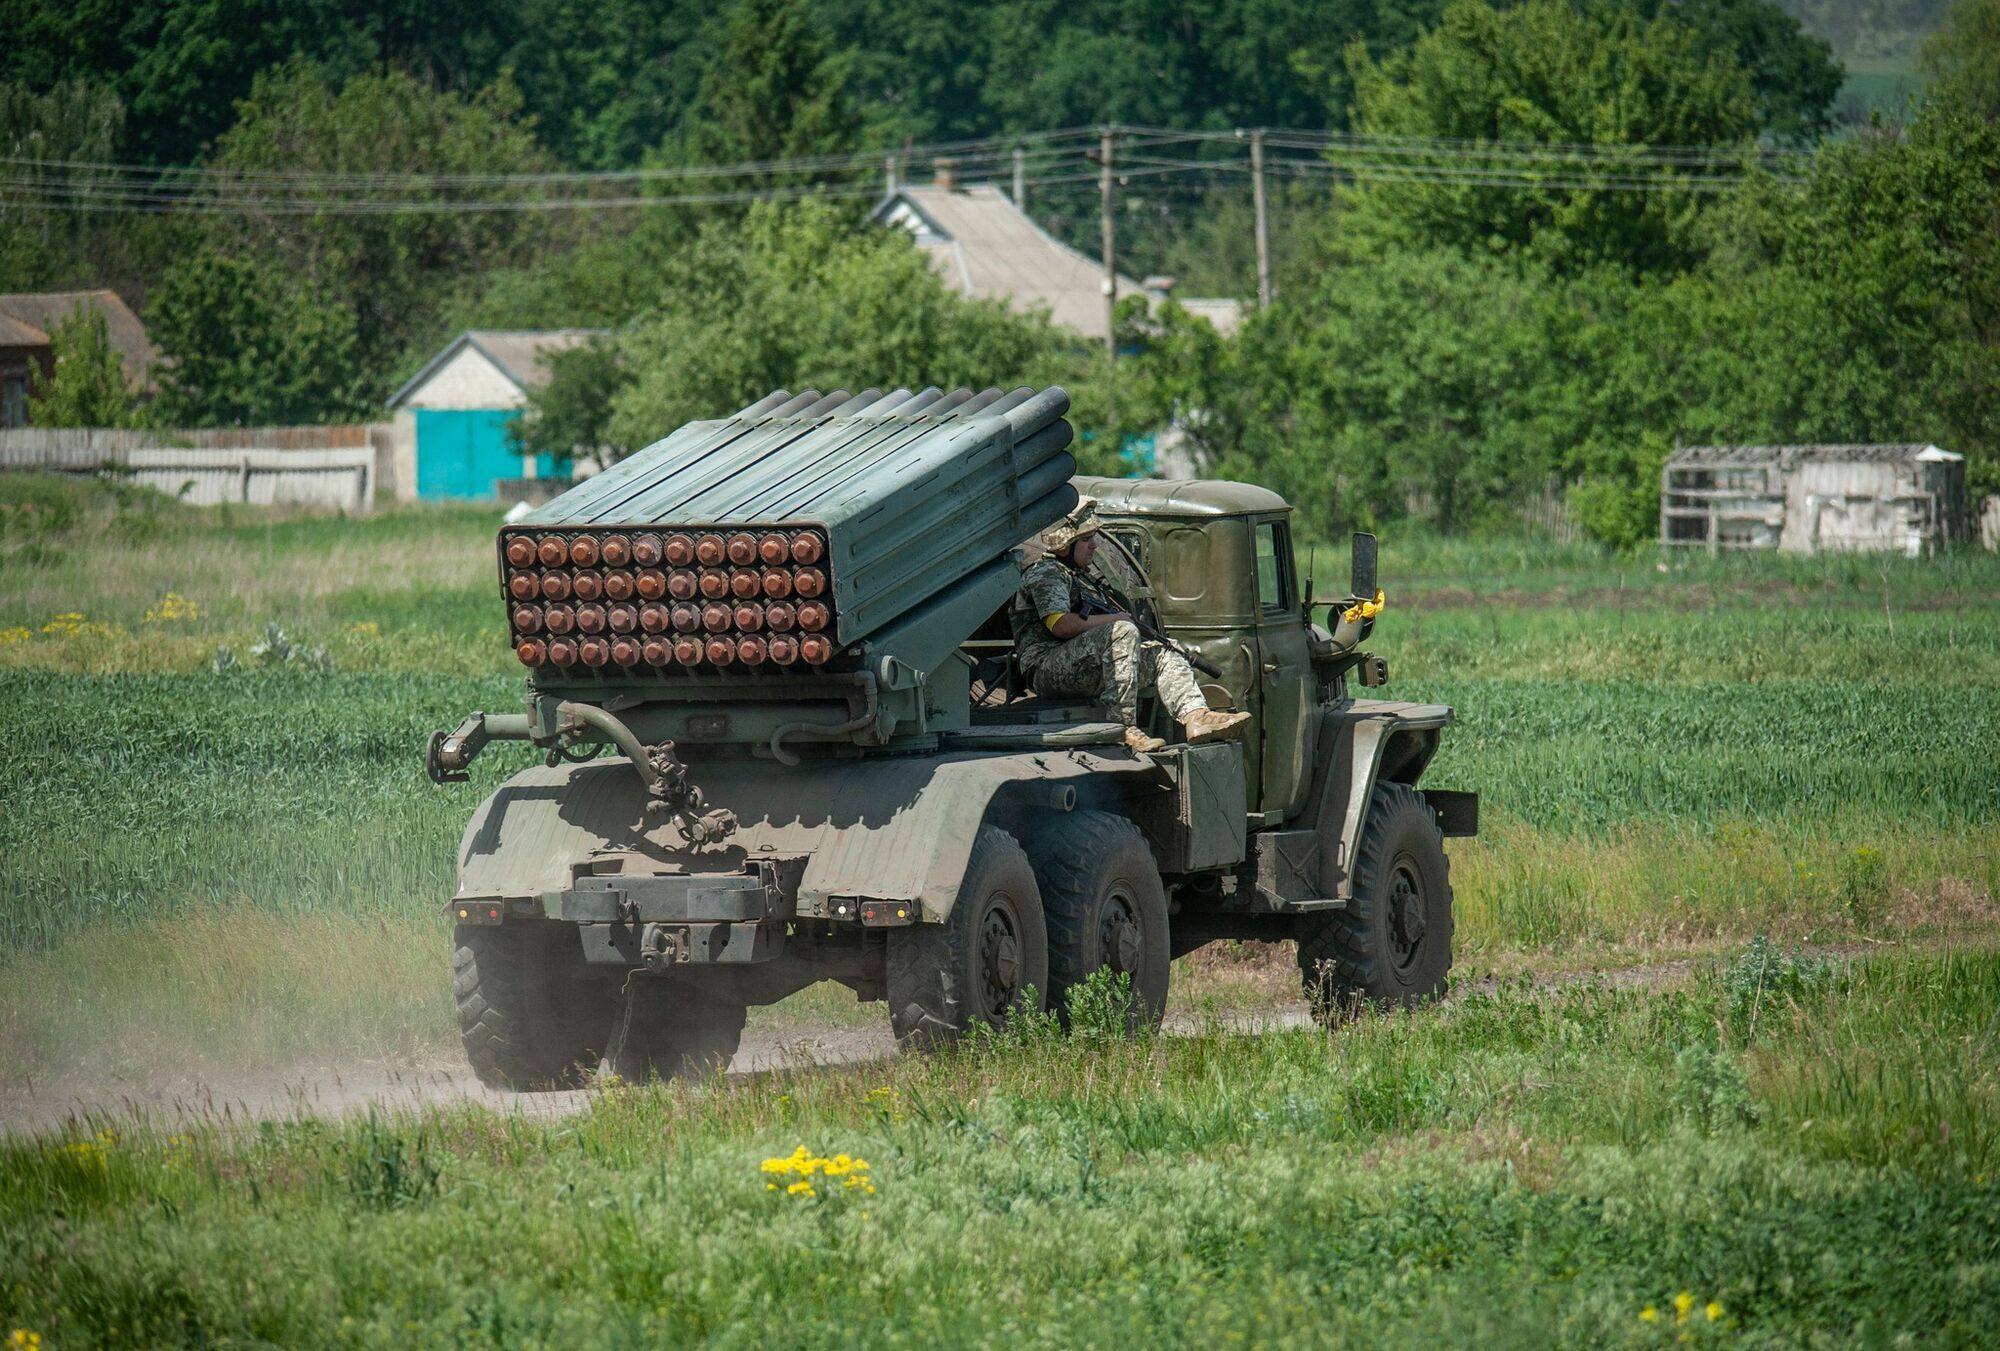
(661, 601)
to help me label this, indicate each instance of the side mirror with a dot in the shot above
(1364, 565)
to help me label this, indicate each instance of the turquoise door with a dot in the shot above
(462, 453)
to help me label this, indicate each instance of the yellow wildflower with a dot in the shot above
(1682, 1303)
(1714, 1310)
(173, 608)
(20, 1339)
(1649, 1314)
(364, 628)
(15, 633)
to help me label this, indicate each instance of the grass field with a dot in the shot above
(212, 870)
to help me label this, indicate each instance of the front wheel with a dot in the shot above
(1391, 946)
(983, 961)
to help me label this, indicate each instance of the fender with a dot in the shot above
(1360, 743)
(886, 828)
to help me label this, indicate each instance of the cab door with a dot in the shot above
(1286, 683)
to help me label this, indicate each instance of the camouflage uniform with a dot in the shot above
(1111, 662)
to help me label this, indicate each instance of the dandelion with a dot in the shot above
(1683, 1302)
(804, 1166)
(173, 608)
(1713, 1310)
(15, 633)
(1649, 1314)
(20, 1339)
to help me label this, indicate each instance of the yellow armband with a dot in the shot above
(1049, 621)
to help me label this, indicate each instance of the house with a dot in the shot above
(983, 245)
(27, 347)
(1905, 498)
(450, 419)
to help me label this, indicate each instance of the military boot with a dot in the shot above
(1209, 725)
(1137, 739)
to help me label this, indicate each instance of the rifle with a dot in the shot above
(1100, 598)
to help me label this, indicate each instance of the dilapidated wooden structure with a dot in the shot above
(1904, 498)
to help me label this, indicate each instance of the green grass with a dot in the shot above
(1520, 1168)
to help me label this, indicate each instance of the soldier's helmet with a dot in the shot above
(1073, 527)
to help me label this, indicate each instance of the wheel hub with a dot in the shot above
(1000, 960)
(1120, 937)
(1407, 920)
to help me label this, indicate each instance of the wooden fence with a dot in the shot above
(317, 466)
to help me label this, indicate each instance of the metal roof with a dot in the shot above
(36, 314)
(520, 354)
(1179, 497)
(1895, 453)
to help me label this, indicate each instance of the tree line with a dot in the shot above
(1440, 346)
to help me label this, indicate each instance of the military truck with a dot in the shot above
(770, 672)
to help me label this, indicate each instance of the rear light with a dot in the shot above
(620, 585)
(647, 551)
(552, 551)
(555, 586)
(531, 652)
(742, 549)
(583, 551)
(587, 585)
(616, 550)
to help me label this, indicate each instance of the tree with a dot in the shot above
(796, 297)
(571, 415)
(1547, 72)
(248, 345)
(774, 91)
(89, 388)
(1963, 59)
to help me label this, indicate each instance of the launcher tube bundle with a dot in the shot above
(806, 534)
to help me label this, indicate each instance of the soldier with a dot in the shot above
(1067, 654)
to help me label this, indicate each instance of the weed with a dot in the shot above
(387, 1170)
(1763, 981)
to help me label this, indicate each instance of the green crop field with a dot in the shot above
(1759, 794)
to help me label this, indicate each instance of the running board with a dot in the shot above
(1312, 906)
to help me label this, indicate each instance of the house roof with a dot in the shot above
(983, 245)
(27, 319)
(1896, 453)
(520, 354)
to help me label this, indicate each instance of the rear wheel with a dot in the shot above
(1106, 911)
(677, 1030)
(531, 1014)
(1391, 946)
(982, 961)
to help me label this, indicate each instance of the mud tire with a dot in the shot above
(530, 1015)
(1105, 904)
(1391, 947)
(679, 1031)
(944, 977)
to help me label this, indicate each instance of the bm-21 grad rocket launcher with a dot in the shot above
(803, 571)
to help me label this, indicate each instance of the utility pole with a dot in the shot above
(1263, 219)
(889, 172)
(1110, 247)
(1020, 178)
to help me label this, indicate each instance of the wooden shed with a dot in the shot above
(1904, 498)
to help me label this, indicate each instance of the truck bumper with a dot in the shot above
(658, 921)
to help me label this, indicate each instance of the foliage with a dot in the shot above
(793, 298)
(248, 344)
(773, 92)
(571, 415)
(89, 388)
(1548, 71)
(1963, 59)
